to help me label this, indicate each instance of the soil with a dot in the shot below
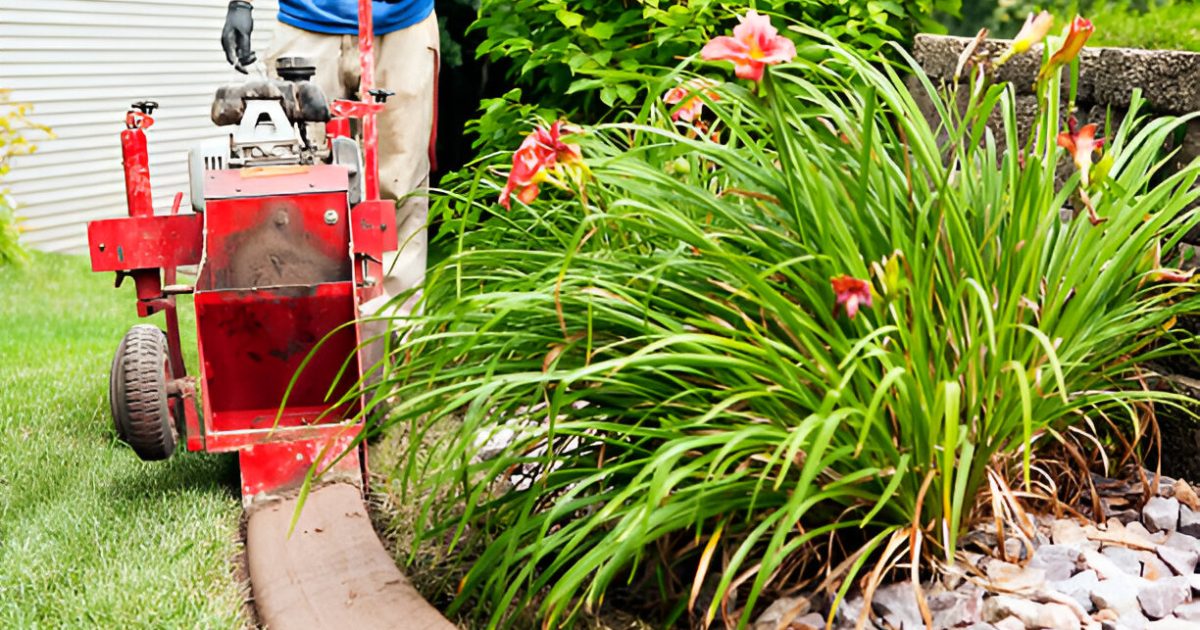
(240, 566)
(1180, 429)
(278, 253)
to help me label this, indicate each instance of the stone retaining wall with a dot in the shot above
(1169, 81)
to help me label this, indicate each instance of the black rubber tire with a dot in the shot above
(138, 393)
(115, 388)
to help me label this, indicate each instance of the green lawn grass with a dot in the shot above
(89, 535)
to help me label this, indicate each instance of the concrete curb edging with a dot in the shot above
(332, 572)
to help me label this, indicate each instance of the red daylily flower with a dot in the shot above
(542, 150)
(1035, 30)
(1081, 142)
(755, 45)
(851, 293)
(1081, 29)
(691, 109)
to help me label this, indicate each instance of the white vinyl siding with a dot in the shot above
(81, 63)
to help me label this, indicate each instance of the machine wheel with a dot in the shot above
(138, 393)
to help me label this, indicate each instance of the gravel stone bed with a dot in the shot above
(1137, 571)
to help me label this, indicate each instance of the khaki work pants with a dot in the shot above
(405, 63)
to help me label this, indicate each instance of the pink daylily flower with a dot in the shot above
(693, 106)
(1081, 143)
(542, 150)
(1034, 30)
(851, 294)
(754, 46)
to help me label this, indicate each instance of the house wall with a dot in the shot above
(81, 63)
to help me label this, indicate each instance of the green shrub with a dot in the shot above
(15, 127)
(690, 412)
(582, 57)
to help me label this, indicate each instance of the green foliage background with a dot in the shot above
(15, 129)
(1160, 24)
(584, 57)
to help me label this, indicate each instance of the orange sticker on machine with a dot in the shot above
(271, 171)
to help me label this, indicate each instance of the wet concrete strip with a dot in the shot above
(333, 571)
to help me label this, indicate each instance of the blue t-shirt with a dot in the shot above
(340, 17)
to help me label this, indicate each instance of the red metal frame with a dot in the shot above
(279, 353)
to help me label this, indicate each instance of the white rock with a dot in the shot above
(1079, 588)
(1189, 521)
(1059, 562)
(1067, 532)
(1010, 623)
(1183, 542)
(1057, 617)
(1153, 568)
(811, 621)
(1189, 611)
(1140, 532)
(1118, 594)
(1159, 599)
(1125, 558)
(1105, 568)
(1001, 607)
(1171, 623)
(1010, 578)
(1133, 621)
(1161, 514)
(781, 612)
(1181, 561)
(897, 604)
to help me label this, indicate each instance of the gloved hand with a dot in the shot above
(235, 38)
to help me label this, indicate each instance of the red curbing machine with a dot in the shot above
(288, 236)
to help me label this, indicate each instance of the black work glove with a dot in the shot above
(235, 38)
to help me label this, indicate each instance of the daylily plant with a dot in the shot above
(542, 151)
(754, 46)
(1000, 330)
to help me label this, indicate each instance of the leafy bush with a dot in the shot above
(582, 57)
(14, 141)
(687, 409)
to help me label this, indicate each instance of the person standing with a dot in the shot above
(406, 62)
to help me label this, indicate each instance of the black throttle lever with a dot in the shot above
(146, 107)
(381, 95)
